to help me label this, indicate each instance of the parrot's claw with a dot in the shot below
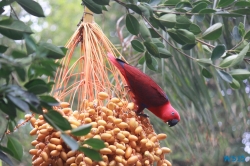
(142, 114)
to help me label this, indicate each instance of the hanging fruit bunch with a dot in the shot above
(88, 95)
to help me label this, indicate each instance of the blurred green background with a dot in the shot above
(215, 119)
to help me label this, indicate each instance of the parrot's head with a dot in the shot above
(170, 115)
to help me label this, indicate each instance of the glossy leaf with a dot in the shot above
(49, 100)
(135, 8)
(3, 48)
(151, 62)
(53, 51)
(36, 86)
(218, 51)
(228, 61)
(164, 53)
(168, 20)
(132, 24)
(240, 74)
(14, 29)
(213, 32)
(21, 72)
(204, 62)
(30, 44)
(241, 55)
(152, 48)
(182, 22)
(242, 3)
(5, 159)
(241, 28)
(172, 33)
(188, 46)
(243, 11)
(207, 11)
(195, 29)
(91, 5)
(171, 2)
(225, 76)
(144, 32)
(141, 60)
(235, 84)
(102, 2)
(137, 45)
(206, 73)
(158, 43)
(154, 33)
(18, 54)
(197, 8)
(31, 7)
(56, 120)
(95, 143)
(82, 130)
(15, 147)
(91, 153)
(19, 103)
(247, 36)
(223, 3)
(228, 14)
(70, 142)
(186, 36)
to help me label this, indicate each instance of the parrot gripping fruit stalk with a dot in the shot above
(146, 92)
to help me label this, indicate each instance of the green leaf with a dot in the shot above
(81, 130)
(206, 73)
(228, 14)
(164, 53)
(16, 148)
(32, 7)
(36, 86)
(91, 153)
(95, 143)
(19, 103)
(195, 29)
(137, 45)
(102, 2)
(154, 33)
(171, 2)
(14, 29)
(141, 60)
(241, 28)
(158, 43)
(91, 5)
(186, 36)
(235, 84)
(11, 125)
(49, 100)
(144, 32)
(132, 24)
(182, 22)
(207, 11)
(5, 159)
(3, 48)
(30, 44)
(8, 108)
(204, 62)
(151, 62)
(168, 20)
(145, 11)
(242, 4)
(21, 72)
(56, 120)
(247, 36)
(218, 51)
(135, 8)
(70, 142)
(225, 76)
(223, 3)
(243, 11)
(172, 33)
(241, 55)
(152, 48)
(228, 61)
(188, 46)
(53, 51)
(197, 8)
(213, 32)
(18, 54)
(240, 74)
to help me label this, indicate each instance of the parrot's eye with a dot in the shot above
(172, 113)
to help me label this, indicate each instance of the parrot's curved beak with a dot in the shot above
(172, 122)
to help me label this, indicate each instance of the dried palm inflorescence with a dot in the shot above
(101, 101)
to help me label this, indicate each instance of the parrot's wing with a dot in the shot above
(145, 90)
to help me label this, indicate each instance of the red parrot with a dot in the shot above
(147, 93)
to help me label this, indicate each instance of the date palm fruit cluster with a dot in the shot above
(129, 139)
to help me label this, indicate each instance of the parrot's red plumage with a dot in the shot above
(147, 93)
